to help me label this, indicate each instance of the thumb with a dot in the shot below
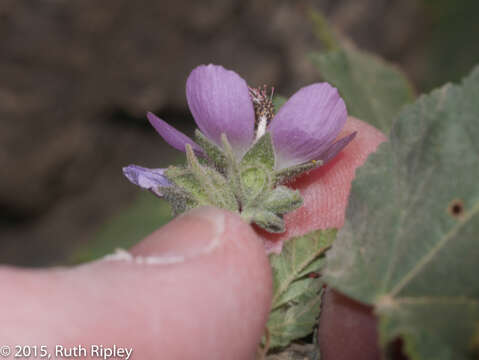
(199, 288)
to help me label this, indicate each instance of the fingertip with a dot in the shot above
(366, 141)
(347, 329)
(222, 261)
(205, 304)
(326, 190)
(187, 235)
(203, 231)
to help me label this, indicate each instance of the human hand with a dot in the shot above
(198, 288)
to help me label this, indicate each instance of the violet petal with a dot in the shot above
(146, 178)
(335, 148)
(307, 124)
(220, 103)
(175, 138)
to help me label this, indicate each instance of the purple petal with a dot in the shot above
(334, 149)
(307, 124)
(146, 178)
(220, 103)
(175, 138)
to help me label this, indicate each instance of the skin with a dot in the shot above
(198, 288)
(347, 329)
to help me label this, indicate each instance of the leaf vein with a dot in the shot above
(432, 253)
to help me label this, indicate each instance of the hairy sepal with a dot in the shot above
(262, 152)
(264, 204)
(179, 199)
(212, 151)
(214, 184)
(289, 174)
(282, 200)
(265, 219)
(248, 185)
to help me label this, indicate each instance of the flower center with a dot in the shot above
(263, 108)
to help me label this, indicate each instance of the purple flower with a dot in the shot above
(303, 130)
(306, 126)
(149, 179)
(220, 103)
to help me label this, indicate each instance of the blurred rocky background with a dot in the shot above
(77, 77)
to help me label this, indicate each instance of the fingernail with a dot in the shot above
(195, 233)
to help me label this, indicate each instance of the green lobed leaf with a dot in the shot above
(296, 320)
(373, 89)
(296, 297)
(296, 352)
(410, 245)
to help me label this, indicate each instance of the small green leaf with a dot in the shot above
(189, 185)
(265, 219)
(410, 244)
(282, 200)
(298, 318)
(297, 255)
(215, 186)
(266, 206)
(233, 171)
(296, 297)
(179, 200)
(261, 152)
(288, 174)
(213, 152)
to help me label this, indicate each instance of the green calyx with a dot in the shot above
(249, 186)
